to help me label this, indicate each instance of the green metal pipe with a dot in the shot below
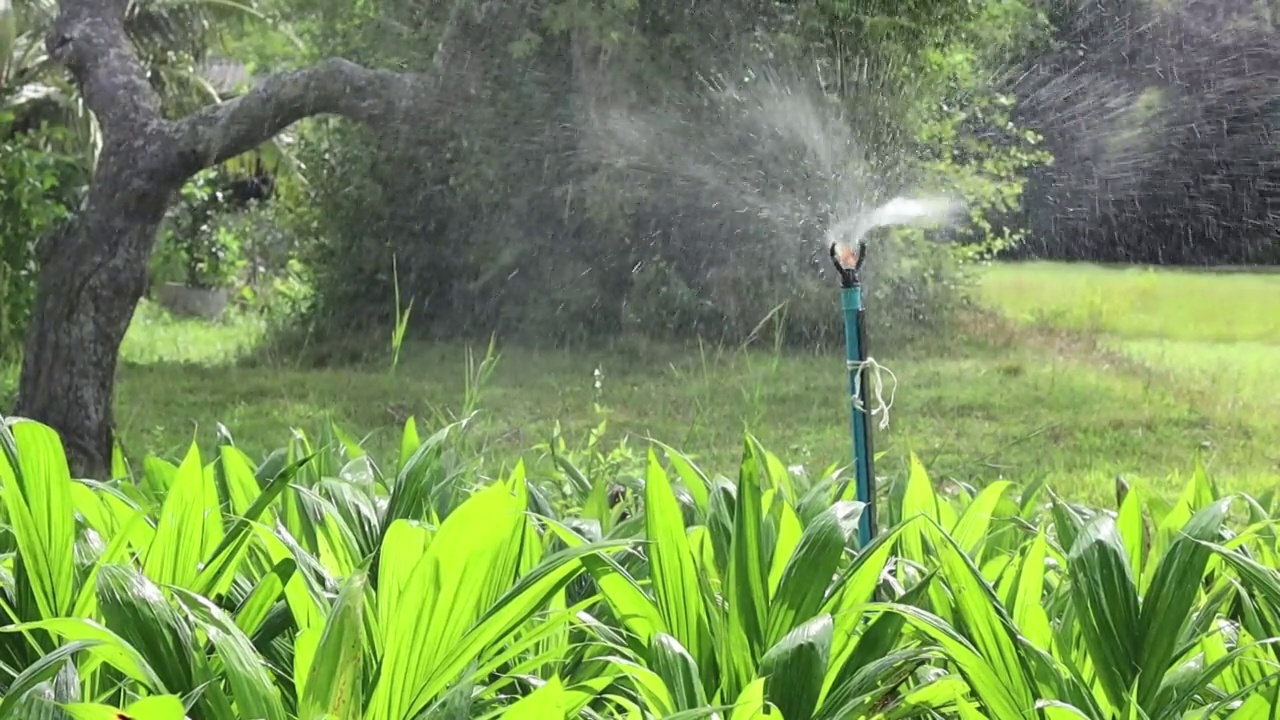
(855, 332)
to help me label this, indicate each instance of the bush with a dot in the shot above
(325, 583)
(539, 200)
(224, 230)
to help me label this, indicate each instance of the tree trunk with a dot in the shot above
(93, 275)
(91, 279)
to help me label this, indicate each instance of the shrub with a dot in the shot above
(540, 199)
(323, 583)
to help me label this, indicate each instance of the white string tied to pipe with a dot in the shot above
(879, 404)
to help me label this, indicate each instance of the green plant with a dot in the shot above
(326, 583)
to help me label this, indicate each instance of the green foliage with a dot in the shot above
(584, 583)
(34, 200)
(593, 248)
(199, 244)
(973, 149)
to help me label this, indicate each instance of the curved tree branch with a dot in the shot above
(92, 277)
(337, 87)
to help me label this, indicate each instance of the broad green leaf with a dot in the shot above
(672, 568)
(103, 644)
(442, 593)
(1131, 525)
(857, 584)
(1182, 686)
(395, 570)
(1169, 600)
(876, 682)
(751, 705)
(775, 472)
(252, 687)
(811, 569)
(649, 685)
(189, 526)
(986, 623)
(303, 603)
(943, 692)
(597, 507)
(984, 678)
(678, 671)
(409, 442)
(158, 475)
(515, 608)
(334, 685)
(548, 702)
(242, 483)
(41, 671)
(157, 707)
(1029, 614)
(853, 655)
(1054, 710)
(638, 614)
(694, 480)
(975, 523)
(119, 464)
(790, 530)
(116, 553)
(967, 711)
(747, 577)
(1105, 600)
(255, 608)
(461, 598)
(546, 638)
(1255, 707)
(1067, 524)
(304, 656)
(134, 608)
(36, 485)
(794, 668)
(221, 564)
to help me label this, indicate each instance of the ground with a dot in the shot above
(1134, 372)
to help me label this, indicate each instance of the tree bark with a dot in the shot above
(94, 273)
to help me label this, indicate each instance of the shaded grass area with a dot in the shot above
(998, 404)
(157, 337)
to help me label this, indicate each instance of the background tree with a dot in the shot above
(524, 209)
(93, 272)
(49, 140)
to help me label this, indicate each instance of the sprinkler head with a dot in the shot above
(848, 261)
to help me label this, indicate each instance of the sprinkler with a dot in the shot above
(848, 261)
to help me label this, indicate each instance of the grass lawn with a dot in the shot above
(1216, 335)
(1174, 375)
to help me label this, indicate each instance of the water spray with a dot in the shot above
(848, 261)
